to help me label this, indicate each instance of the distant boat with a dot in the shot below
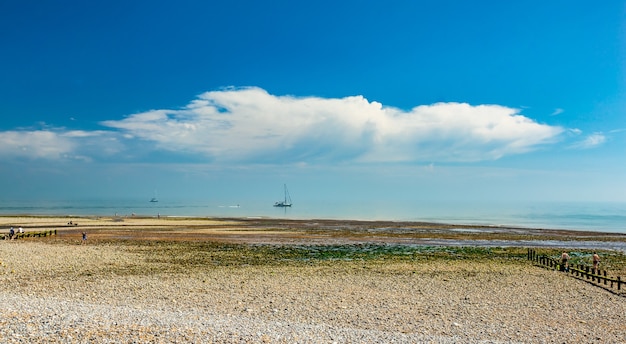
(154, 199)
(286, 202)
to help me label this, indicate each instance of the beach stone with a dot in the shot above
(115, 293)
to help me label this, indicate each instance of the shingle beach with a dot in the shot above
(54, 290)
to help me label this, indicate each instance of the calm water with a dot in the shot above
(602, 217)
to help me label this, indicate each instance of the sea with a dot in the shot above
(590, 216)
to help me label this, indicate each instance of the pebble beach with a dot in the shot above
(61, 291)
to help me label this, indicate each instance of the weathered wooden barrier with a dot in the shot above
(578, 270)
(29, 234)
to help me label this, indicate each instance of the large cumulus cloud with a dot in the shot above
(250, 125)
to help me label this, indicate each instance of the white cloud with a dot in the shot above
(457, 132)
(250, 124)
(35, 144)
(575, 131)
(57, 144)
(557, 112)
(591, 141)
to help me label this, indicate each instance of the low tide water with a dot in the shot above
(600, 217)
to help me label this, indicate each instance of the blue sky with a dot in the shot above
(407, 100)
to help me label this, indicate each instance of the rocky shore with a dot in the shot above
(56, 291)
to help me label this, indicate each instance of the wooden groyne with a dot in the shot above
(581, 271)
(37, 234)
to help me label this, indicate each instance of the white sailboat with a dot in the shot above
(286, 202)
(154, 199)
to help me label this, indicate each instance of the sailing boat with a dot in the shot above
(154, 199)
(286, 202)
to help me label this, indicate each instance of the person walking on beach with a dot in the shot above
(84, 237)
(564, 261)
(596, 262)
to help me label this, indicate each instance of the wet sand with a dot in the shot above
(324, 232)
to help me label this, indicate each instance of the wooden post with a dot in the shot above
(604, 277)
(619, 283)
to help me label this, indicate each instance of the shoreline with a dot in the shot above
(314, 231)
(553, 219)
(31, 218)
(433, 224)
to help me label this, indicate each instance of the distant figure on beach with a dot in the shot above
(21, 230)
(565, 261)
(596, 262)
(11, 233)
(84, 237)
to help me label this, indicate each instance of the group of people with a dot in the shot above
(595, 258)
(12, 232)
